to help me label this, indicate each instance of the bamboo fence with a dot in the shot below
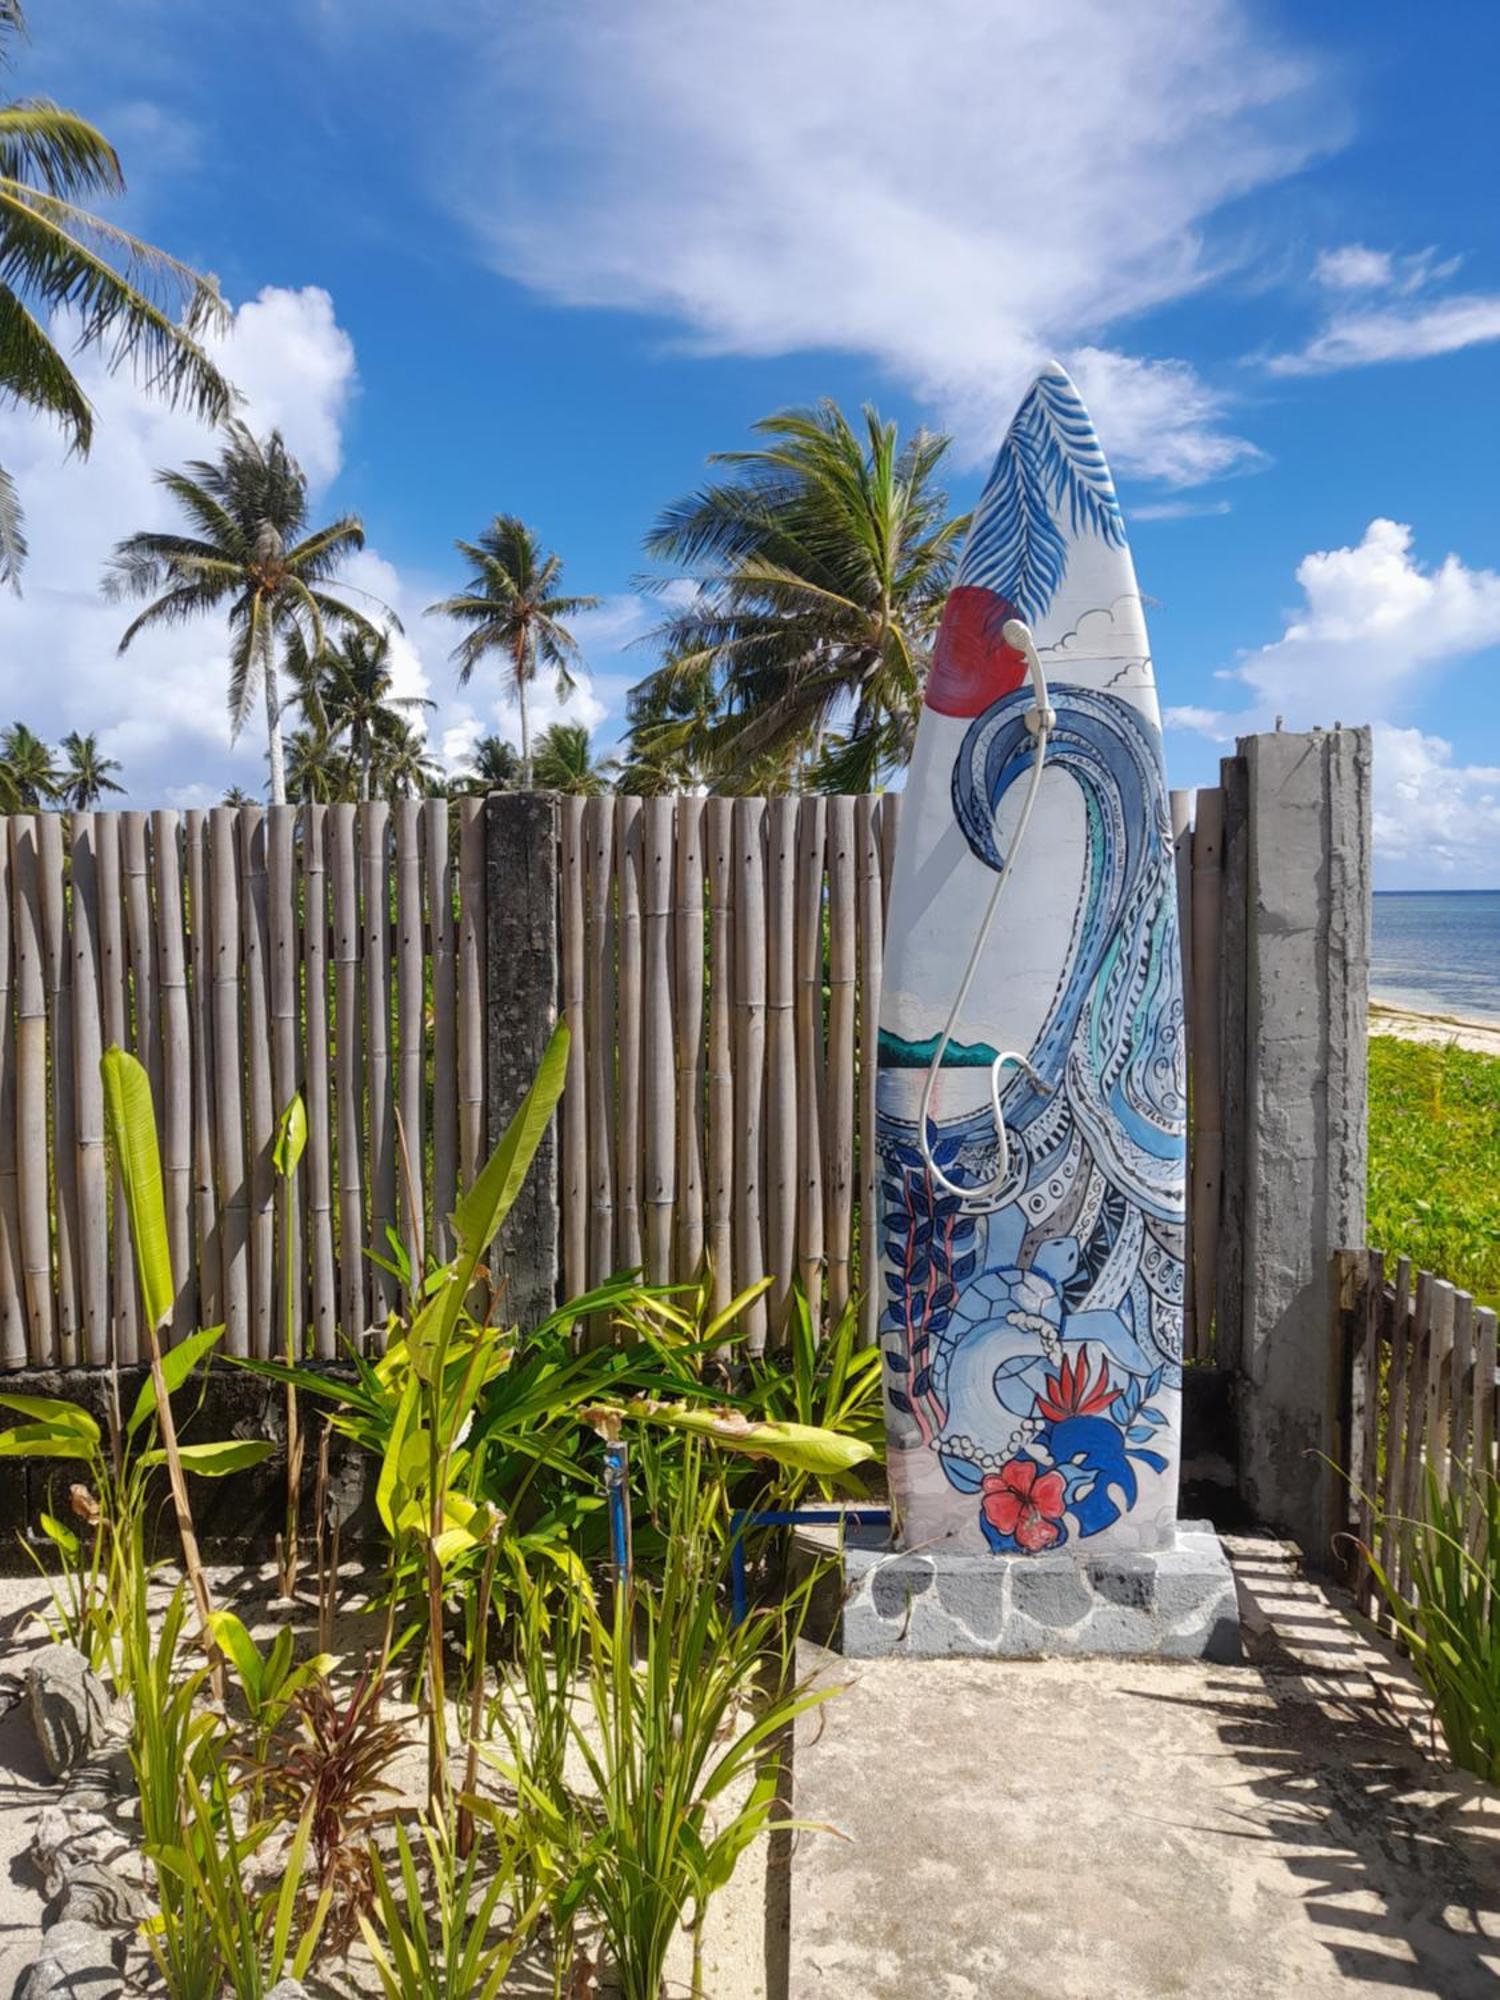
(243, 955)
(1420, 1392)
(719, 965)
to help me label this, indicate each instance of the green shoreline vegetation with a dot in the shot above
(1434, 1186)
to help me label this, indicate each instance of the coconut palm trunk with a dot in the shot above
(523, 669)
(274, 747)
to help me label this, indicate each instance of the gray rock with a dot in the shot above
(287, 1989)
(70, 1706)
(76, 1963)
(92, 1893)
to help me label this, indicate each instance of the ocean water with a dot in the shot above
(1438, 952)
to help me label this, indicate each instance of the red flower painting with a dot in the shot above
(1025, 1503)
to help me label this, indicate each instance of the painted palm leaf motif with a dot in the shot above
(1050, 484)
(1032, 1330)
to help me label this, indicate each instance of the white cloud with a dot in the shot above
(955, 190)
(1178, 510)
(1353, 267)
(1374, 628)
(1396, 333)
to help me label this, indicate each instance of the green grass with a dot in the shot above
(1435, 1161)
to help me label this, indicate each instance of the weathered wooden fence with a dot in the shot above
(242, 955)
(718, 961)
(1420, 1390)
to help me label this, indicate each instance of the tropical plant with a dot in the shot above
(29, 776)
(514, 605)
(820, 570)
(89, 773)
(672, 716)
(404, 767)
(493, 765)
(1448, 1615)
(114, 293)
(565, 762)
(348, 692)
(463, 1961)
(268, 1682)
(286, 1157)
(686, 1709)
(248, 552)
(832, 1384)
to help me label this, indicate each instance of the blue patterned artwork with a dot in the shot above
(1032, 1309)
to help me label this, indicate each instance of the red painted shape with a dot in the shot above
(971, 664)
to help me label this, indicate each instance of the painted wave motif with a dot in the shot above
(1033, 1334)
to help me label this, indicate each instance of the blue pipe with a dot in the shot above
(786, 1517)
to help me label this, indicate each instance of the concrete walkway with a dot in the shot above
(1107, 1830)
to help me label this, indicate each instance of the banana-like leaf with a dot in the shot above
(488, 1202)
(291, 1137)
(232, 1639)
(56, 1412)
(213, 1461)
(177, 1363)
(43, 1441)
(132, 1127)
(803, 1447)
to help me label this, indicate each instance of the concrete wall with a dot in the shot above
(1297, 954)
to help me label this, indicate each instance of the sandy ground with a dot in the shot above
(1113, 1831)
(1460, 1031)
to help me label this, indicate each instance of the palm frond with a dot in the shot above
(12, 532)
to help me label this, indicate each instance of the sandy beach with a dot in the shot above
(1463, 1031)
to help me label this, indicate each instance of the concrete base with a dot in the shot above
(1177, 1603)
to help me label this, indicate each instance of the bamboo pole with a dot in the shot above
(52, 868)
(318, 1159)
(1440, 1379)
(114, 972)
(782, 1181)
(375, 915)
(1365, 1416)
(1463, 1385)
(229, 1105)
(349, 1081)
(810, 1072)
(472, 932)
(88, 1098)
(839, 1146)
(1207, 1151)
(599, 830)
(444, 1026)
(410, 1026)
(260, 1105)
(207, 1251)
(575, 1135)
(628, 842)
(750, 1058)
(659, 1065)
(33, 1192)
(890, 828)
(175, 1114)
(719, 839)
(1484, 1423)
(286, 1047)
(12, 1303)
(871, 949)
(141, 944)
(687, 961)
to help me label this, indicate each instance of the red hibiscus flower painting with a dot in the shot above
(1025, 1503)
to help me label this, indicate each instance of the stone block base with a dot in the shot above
(1176, 1603)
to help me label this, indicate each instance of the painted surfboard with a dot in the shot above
(1031, 1318)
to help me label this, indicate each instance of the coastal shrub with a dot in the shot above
(1434, 1190)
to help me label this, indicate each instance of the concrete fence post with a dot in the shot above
(1296, 970)
(521, 983)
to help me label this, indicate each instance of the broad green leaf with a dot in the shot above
(177, 1364)
(43, 1441)
(489, 1200)
(132, 1127)
(213, 1461)
(65, 1539)
(390, 1466)
(232, 1639)
(291, 1137)
(803, 1447)
(55, 1411)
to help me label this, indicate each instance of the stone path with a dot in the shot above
(1107, 1831)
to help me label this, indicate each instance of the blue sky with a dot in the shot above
(543, 259)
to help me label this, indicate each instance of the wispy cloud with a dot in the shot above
(957, 191)
(1387, 312)
(1178, 510)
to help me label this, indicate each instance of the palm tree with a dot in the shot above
(671, 718)
(250, 552)
(493, 765)
(89, 774)
(565, 762)
(514, 605)
(317, 770)
(404, 767)
(821, 568)
(350, 689)
(123, 297)
(236, 795)
(29, 777)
